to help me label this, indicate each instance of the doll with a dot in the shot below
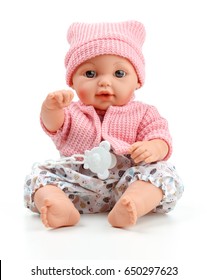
(104, 66)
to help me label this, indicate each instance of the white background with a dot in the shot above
(32, 49)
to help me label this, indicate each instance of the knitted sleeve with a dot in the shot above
(154, 126)
(59, 137)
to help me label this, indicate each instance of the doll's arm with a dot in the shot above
(149, 151)
(52, 111)
(154, 141)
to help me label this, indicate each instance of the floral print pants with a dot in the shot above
(90, 194)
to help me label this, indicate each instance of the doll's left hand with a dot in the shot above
(148, 151)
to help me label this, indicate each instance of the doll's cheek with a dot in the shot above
(83, 96)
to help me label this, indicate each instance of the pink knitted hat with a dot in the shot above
(88, 40)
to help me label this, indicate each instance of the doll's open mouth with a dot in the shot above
(104, 94)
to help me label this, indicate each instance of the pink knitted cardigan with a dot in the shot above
(121, 126)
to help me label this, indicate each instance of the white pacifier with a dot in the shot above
(99, 160)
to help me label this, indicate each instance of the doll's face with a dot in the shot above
(104, 81)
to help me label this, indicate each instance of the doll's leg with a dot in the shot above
(138, 199)
(55, 207)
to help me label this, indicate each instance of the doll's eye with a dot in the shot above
(120, 74)
(90, 74)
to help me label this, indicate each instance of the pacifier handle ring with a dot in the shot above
(84, 159)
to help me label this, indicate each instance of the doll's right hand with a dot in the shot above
(58, 99)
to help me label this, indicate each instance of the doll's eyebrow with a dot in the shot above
(119, 63)
(121, 66)
(88, 64)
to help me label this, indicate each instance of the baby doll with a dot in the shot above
(104, 66)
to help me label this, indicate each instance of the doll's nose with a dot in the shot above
(104, 81)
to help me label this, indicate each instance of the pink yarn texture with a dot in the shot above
(122, 126)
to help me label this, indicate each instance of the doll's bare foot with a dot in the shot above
(124, 213)
(59, 213)
(55, 208)
(139, 199)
